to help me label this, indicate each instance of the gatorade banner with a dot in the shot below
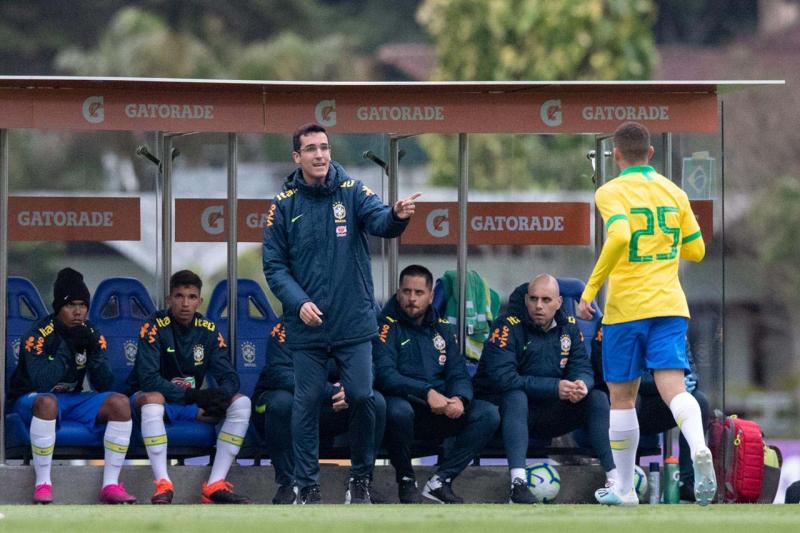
(36, 218)
(514, 223)
(281, 108)
(373, 112)
(204, 220)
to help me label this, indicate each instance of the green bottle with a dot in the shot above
(672, 474)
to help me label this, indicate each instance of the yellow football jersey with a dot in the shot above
(650, 227)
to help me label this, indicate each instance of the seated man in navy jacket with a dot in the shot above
(654, 415)
(421, 371)
(273, 397)
(178, 350)
(535, 367)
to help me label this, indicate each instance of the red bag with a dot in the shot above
(738, 449)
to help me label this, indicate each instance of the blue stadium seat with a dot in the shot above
(25, 307)
(118, 308)
(571, 290)
(254, 322)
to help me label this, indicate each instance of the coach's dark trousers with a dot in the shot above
(406, 421)
(278, 429)
(545, 419)
(310, 378)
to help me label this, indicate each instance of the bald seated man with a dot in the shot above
(535, 368)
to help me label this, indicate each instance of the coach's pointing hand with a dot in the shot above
(405, 208)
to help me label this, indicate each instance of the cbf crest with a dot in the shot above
(80, 359)
(130, 348)
(249, 354)
(15, 345)
(339, 213)
(198, 353)
(440, 344)
(566, 344)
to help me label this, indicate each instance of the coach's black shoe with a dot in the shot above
(441, 491)
(407, 491)
(520, 493)
(286, 495)
(357, 491)
(310, 495)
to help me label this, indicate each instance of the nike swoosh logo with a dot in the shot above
(405, 342)
(50, 358)
(295, 218)
(170, 349)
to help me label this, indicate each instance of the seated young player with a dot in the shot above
(178, 349)
(47, 388)
(422, 373)
(273, 398)
(534, 366)
(654, 415)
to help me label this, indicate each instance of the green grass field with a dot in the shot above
(406, 519)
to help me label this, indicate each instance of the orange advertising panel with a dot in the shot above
(486, 113)
(37, 218)
(704, 212)
(16, 111)
(204, 220)
(148, 111)
(521, 223)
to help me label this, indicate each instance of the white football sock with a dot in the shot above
(115, 440)
(612, 475)
(517, 473)
(43, 440)
(623, 432)
(231, 437)
(687, 415)
(154, 435)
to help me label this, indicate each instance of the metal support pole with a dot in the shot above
(461, 268)
(394, 244)
(666, 147)
(3, 283)
(233, 248)
(164, 148)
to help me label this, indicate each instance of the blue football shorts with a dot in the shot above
(654, 343)
(79, 407)
(174, 412)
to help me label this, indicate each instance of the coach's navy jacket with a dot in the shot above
(278, 373)
(410, 360)
(315, 249)
(172, 357)
(49, 363)
(519, 355)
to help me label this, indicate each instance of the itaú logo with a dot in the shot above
(325, 113)
(93, 111)
(550, 113)
(438, 223)
(213, 220)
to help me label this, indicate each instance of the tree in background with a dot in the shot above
(499, 40)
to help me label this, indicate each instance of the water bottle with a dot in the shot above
(672, 474)
(654, 484)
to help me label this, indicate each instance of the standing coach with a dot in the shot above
(316, 261)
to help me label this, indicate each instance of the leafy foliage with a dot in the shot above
(532, 40)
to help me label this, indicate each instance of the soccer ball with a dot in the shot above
(543, 481)
(640, 483)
